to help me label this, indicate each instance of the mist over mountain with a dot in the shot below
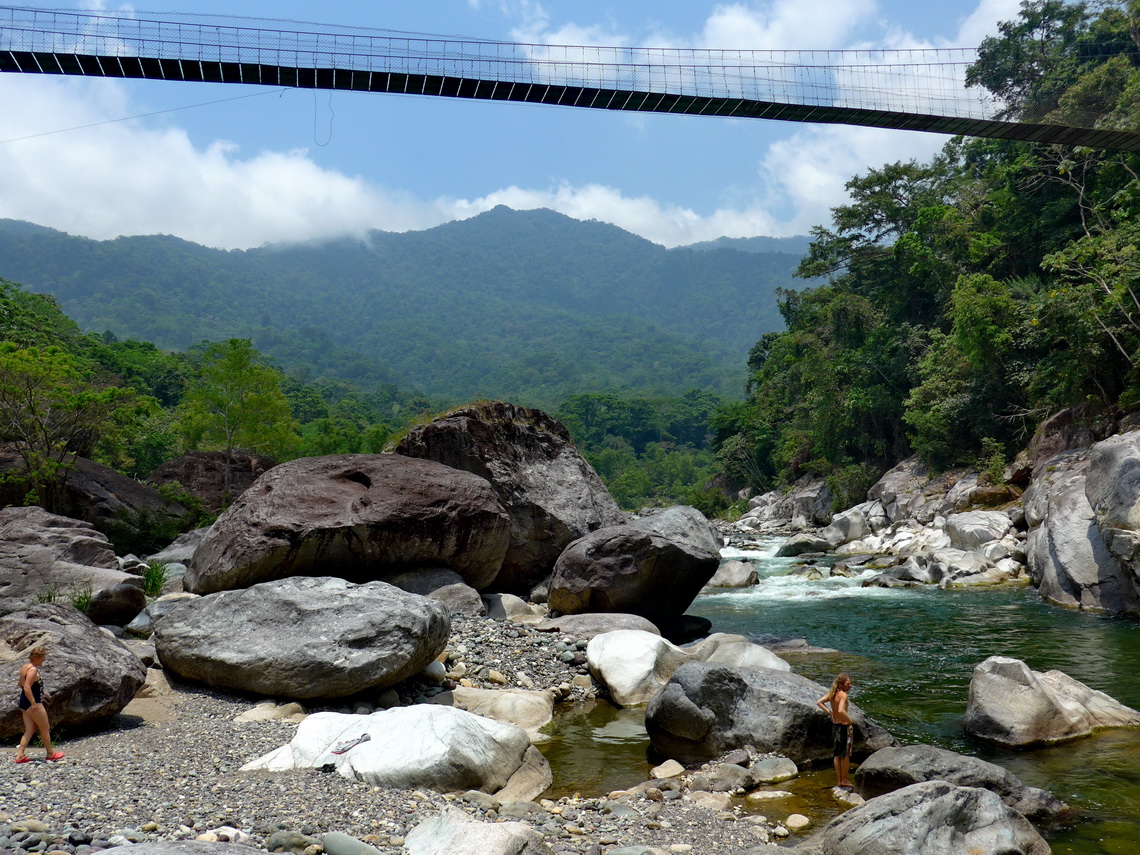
(525, 305)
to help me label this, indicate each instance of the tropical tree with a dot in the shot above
(236, 401)
(51, 411)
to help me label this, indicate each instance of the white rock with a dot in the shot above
(425, 745)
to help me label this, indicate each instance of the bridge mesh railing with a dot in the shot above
(924, 81)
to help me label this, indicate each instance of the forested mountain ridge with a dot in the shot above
(530, 306)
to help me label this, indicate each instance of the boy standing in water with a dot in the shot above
(841, 736)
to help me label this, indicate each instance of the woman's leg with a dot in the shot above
(29, 732)
(39, 716)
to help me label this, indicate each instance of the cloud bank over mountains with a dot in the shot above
(141, 176)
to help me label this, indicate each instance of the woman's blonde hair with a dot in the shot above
(840, 678)
(37, 652)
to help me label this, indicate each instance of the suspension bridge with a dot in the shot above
(916, 90)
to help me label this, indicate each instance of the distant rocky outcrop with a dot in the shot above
(807, 504)
(1011, 704)
(550, 492)
(358, 517)
(43, 554)
(934, 818)
(96, 494)
(627, 569)
(890, 769)
(911, 491)
(705, 710)
(88, 674)
(303, 637)
(213, 477)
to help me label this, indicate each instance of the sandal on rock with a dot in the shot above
(23, 759)
(55, 755)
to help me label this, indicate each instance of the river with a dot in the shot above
(910, 653)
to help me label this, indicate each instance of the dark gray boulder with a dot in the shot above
(43, 554)
(359, 517)
(681, 524)
(626, 569)
(88, 674)
(705, 710)
(444, 585)
(890, 769)
(303, 637)
(117, 605)
(553, 496)
(931, 818)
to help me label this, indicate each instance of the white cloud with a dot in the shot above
(124, 178)
(783, 24)
(131, 178)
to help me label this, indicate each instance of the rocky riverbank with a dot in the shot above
(168, 768)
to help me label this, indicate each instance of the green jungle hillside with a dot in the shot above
(529, 306)
(970, 297)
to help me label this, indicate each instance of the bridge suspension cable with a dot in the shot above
(918, 89)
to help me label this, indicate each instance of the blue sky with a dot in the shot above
(251, 166)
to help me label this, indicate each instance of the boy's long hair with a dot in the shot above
(841, 677)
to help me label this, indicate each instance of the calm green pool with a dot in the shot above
(910, 653)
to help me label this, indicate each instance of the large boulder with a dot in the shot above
(426, 746)
(97, 494)
(1071, 429)
(354, 516)
(1011, 704)
(88, 674)
(213, 477)
(444, 585)
(591, 624)
(707, 709)
(634, 665)
(1069, 561)
(1113, 490)
(627, 569)
(931, 818)
(117, 605)
(43, 554)
(912, 491)
(303, 637)
(552, 495)
(890, 769)
(681, 524)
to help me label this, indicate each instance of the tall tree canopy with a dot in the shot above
(236, 401)
(970, 296)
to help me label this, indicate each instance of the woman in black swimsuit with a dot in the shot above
(31, 703)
